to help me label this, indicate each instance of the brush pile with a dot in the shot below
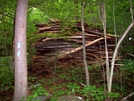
(68, 51)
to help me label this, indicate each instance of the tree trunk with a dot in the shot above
(115, 54)
(103, 18)
(84, 48)
(21, 86)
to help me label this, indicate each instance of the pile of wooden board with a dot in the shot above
(68, 51)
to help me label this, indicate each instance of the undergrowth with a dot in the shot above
(6, 77)
(69, 81)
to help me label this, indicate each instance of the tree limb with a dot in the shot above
(116, 52)
(75, 50)
(131, 94)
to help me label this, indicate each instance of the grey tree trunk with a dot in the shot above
(84, 48)
(116, 53)
(103, 18)
(21, 85)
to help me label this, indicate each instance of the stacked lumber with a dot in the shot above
(52, 27)
(68, 51)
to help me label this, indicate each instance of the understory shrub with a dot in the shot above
(6, 77)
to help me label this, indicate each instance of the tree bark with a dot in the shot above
(84, 48)
(103, 18)
(21, 86)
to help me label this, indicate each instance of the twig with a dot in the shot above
(131, 9)
(82, 84)
(131, 54)
(131, 94)
(97, 83)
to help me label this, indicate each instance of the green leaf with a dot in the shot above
(35, 95)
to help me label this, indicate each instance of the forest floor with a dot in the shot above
(70, 81)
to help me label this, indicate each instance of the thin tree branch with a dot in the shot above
(83, 41)
(115, 32)
(131, 9)
(103, 18)
(116, 52)
(131, 94)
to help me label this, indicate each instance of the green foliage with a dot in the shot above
(65, 10)
(58, 91)
(113, 95)
(6, 77)
(38, 91)
(7, 9)
(76, 75)
(73, 87)
(32, 80)
(35, 16)
(128, 49)
(67, 13)
(128, 66)
(54, 99)
(93, 93)
(97, 94)
(122, 15)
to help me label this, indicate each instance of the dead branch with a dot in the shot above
(125, 98)
(75, 50)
